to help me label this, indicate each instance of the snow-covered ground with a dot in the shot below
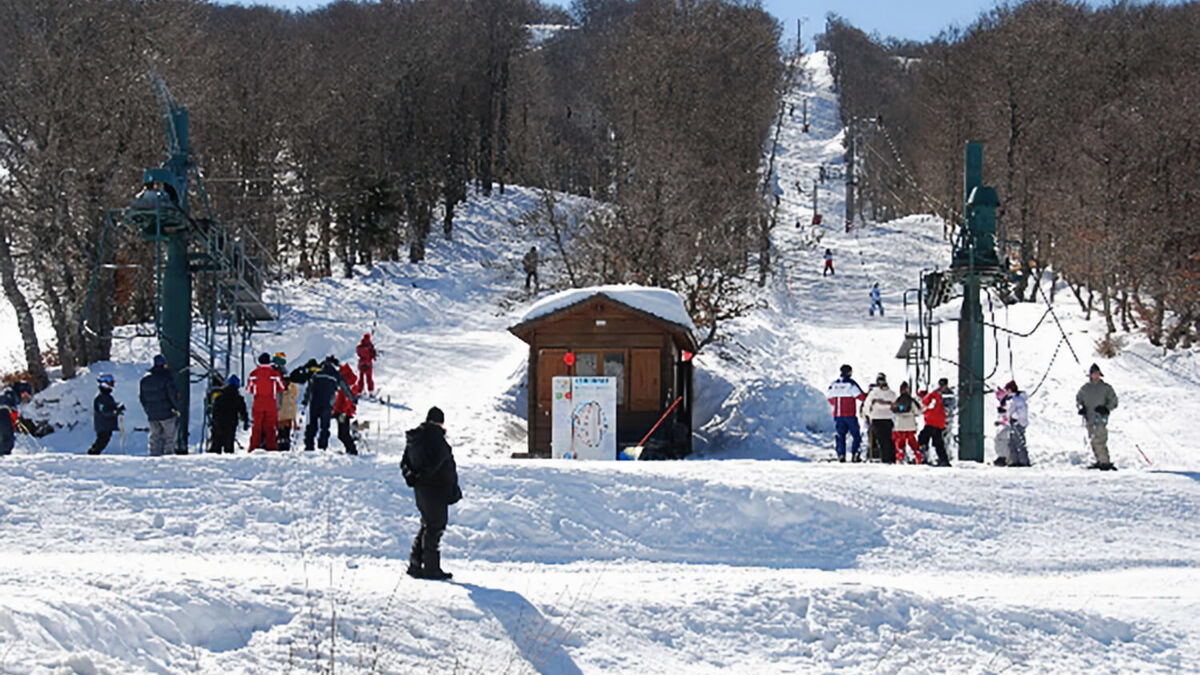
(766, 561)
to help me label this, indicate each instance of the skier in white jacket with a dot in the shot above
(877, 410)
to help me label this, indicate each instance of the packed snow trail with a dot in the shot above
(295, 562)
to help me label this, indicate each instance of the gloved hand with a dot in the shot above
(1083, 411)
(1102, 410)
(245, 426)
(120, 409)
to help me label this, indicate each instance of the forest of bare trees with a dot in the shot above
(349, 134)
(1088, 116)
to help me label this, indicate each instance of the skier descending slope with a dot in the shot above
(366, 364)
(844, 395)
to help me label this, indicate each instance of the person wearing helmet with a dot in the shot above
(366, 364)
(844, 395)
(10, 402)
(105, 414)
(228, 407)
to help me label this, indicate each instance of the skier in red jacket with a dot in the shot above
(265, 385)
(344, 409)
(935, 422)
(366, 364)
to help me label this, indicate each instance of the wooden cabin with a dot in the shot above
(640, 335)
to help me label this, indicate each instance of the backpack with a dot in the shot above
(410, 473)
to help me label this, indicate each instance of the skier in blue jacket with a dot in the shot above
(876, 300)
(105, 414)
(322, 387)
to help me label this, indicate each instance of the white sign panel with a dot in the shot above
(584, 418)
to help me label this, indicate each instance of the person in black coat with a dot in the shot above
(228, 407)
(322, 387)
(429, 467)
(105, 414)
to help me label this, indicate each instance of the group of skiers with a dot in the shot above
(332, 391)
(891, 420)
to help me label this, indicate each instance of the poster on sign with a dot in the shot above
(584, 418)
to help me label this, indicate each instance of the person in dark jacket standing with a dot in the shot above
(228, 407)
(322, 387)
(529, 263)
(10, 401)
(1096, 400)
(160, 400)
(105, 414)
(428, 466)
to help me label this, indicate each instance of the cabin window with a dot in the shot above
(614, 366)
(587, 364)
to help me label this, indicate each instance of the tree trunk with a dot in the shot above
(8, 278)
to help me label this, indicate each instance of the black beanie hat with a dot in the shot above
(435, 415)
(846, 369)
(264, 358)
(1095, 369)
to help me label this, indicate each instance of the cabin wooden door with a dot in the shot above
(645, 380)
(550, 365)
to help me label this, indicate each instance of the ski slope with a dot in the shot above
(753, 557)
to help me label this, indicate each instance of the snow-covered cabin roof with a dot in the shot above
(660, 303)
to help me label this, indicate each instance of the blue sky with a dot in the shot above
(909, 20)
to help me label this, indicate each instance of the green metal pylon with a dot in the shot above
(976, 264)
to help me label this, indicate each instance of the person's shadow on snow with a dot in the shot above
(539, 640)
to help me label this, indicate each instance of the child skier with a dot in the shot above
(228, 407)
(286, 402)
(1018, 420)
(828, 262)
(343, 409)
(366, 364)
(265, 385)
(105, 414)
(876, 300)
(904, 418)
